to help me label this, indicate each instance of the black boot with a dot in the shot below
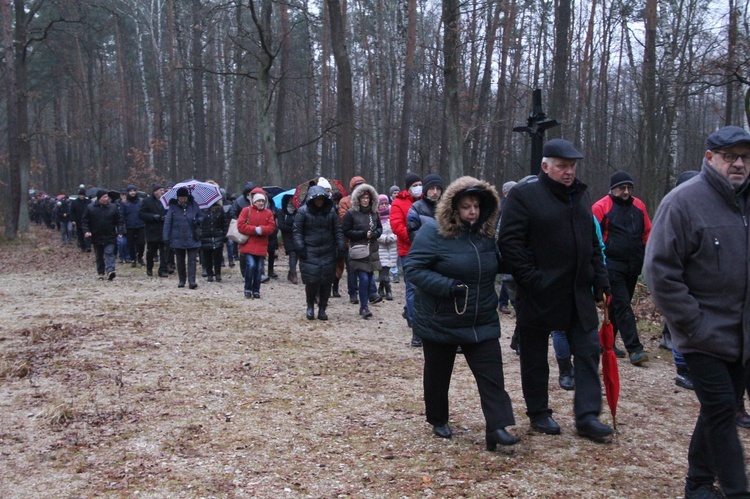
(322, 313)
(388, 293)
(381, 289)
(310, 312)
(335, 292)
(566, 380)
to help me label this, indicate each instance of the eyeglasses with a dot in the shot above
(731, 157)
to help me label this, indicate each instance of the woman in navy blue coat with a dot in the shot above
(182, 229)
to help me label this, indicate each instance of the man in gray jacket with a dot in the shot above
(698, 270)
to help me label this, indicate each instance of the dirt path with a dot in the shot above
(137, 387)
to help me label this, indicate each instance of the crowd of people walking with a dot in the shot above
(554, 254)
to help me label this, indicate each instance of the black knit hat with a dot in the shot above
(411, 178)
(432, 180)
(100, 193)
(620, 178)
(81, 192)
(182, 192)
(249, 186)
(155, 187)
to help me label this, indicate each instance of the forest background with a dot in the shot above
(110, 92)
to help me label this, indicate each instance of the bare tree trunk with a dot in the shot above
(282, 91)
(480, 122)
(731, 49)
(200, 156)
(647, 135)
(345, 103)
(402, 160)
(19, 147)
(173, 163)
(266, 57)
(452, 57)
(560, 61)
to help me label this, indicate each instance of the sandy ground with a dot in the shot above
(138, 388)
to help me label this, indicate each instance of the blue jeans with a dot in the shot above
(66, 232)
(561, 345)
(715, 449)
(122, 248)
(366, 281)
(253, 265)
(408, 294)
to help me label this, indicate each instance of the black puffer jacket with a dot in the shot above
(549, 242)
(153, 214)
(104, 222)
(215, 226)
(453, 250)
(357, 223)
(318, 238)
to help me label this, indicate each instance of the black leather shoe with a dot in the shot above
(501, 437)
(353, 300)
(310, 313)
(546, 425)
(567, 382)
(442, 430)
(594, 430)
(322, 315)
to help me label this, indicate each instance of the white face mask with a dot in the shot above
(416, 191)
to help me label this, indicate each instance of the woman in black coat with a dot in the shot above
(285, 223)
(362, 227)
(318, 240)
(214, 234)
(453, 266)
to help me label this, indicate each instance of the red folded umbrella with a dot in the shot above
(610, 373)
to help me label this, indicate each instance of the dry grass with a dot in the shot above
(136, 387)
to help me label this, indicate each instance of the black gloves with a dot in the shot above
(599, 295)
(157, 217)
(458, 288)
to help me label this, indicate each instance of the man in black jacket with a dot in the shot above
(77, 207)
(152, 213)
(625, 229)
(548, 240)
(103, 224)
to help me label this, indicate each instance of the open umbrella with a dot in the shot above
(203, 193)
(610, 373)
(301, 190)
(280, 196)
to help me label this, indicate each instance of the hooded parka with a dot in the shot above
(358, 221)
(318, 238)
(452, 250)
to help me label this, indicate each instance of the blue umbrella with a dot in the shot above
(278, 197)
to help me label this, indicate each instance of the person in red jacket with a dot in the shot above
(625, 228)
(257, 222)
(399, 211)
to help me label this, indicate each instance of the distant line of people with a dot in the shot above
(557, 254)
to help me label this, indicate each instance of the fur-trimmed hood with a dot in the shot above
(359, 190)
(446, 214)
